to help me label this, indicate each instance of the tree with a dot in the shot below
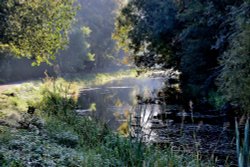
(75, 56)
(170, 34)
(99, 16)
(234, 80)
(189, 36)
(35, 29)
(95, 51)
(146, 28)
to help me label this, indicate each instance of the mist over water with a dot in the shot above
(116, 98)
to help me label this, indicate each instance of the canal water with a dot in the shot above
(113, 102)
(118, 104)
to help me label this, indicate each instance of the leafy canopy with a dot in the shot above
(203, 39)
(234, 79)
(35, 29)
(145, 28)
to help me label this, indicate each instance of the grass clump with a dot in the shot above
(58, 97)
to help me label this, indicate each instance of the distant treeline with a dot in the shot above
(91, 46)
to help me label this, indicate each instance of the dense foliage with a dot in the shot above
(35, 29)
(234, 80)
(191, 36)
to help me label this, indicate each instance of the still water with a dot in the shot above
(116, 104)
(113, 102)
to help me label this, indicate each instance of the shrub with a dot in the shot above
(29, 149)
(59, 97)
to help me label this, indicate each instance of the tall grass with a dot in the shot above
(242, 151)
(59, 97)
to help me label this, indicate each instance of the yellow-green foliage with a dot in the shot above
(16, 100)
(59, 96)
(35, 29)
(103, 78)
(60, 86)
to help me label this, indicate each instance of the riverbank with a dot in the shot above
(51, 134)
(15, 98)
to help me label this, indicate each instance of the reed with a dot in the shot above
(242, 151)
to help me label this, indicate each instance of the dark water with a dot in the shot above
(116, 104)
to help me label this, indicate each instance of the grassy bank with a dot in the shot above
(17, 98)
(87, 80)
(55, 136)
(86, 143)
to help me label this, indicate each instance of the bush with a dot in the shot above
(67, 138)
(215, 99)
(29, 149)
(59, 97)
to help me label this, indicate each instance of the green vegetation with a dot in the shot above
(71, 39)
(234, 79)
(206, 40)
(18, 98)
(91, 47)
(55, 135)
(35, 29)
(99, 16)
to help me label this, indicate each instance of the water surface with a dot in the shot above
(112, 102)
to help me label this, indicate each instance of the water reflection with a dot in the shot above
(133, 106)
(116, 100)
